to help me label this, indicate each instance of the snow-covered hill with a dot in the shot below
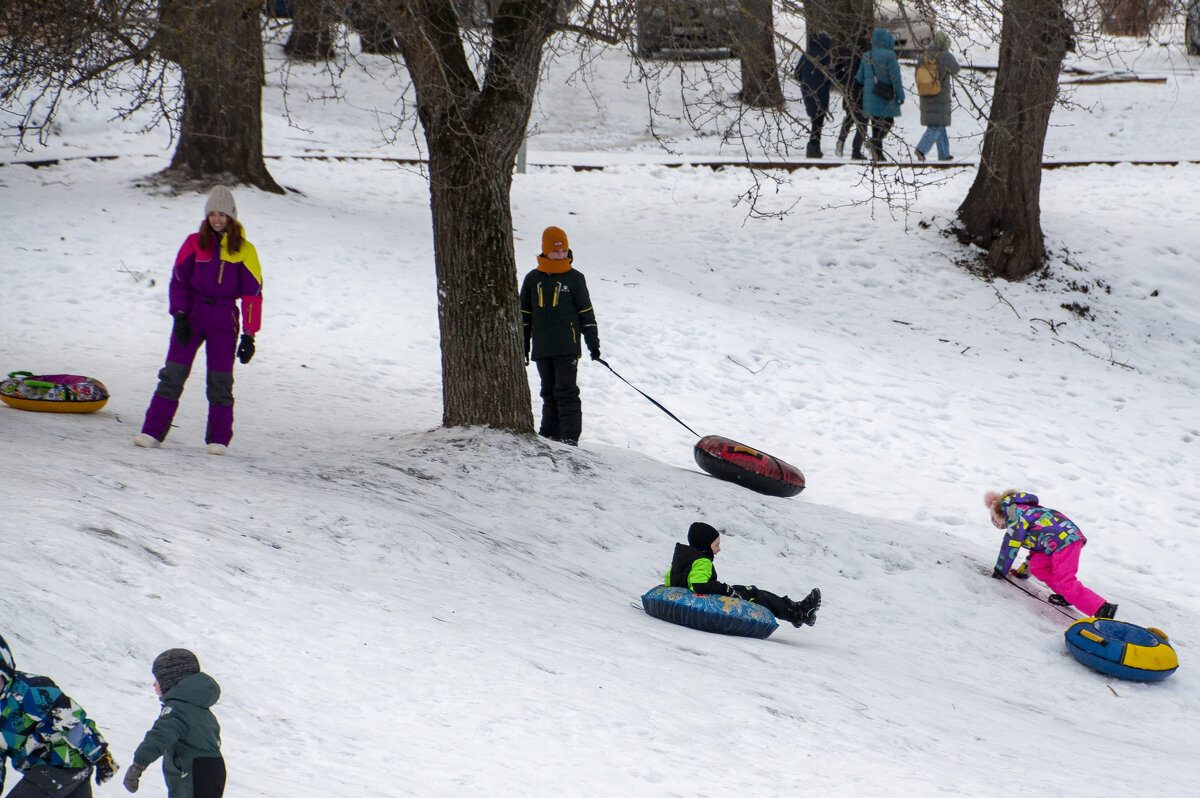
(397, 609)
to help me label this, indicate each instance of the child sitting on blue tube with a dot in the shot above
(692, 567)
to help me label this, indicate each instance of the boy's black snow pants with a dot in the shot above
(562, 413)
(47, 782)
(209, 777)
(780, 606)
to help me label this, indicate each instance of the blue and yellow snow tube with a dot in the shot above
(1121, 649)
(720, 614)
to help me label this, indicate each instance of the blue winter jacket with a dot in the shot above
(881, 62)
(815, 73)
(40, 726)
(1031, 526)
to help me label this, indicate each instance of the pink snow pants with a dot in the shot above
(217, 331)
(1058, 572)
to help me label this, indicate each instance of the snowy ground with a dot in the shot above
(397, 609)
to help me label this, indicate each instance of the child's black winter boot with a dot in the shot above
(805, 611)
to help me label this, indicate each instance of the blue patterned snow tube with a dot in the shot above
(720, 614)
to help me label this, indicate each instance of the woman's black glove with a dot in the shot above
(182, 329)
(246, 348)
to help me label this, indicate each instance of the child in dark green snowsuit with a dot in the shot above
(186, 734)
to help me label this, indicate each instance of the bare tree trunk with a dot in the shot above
(1133, 17)
(483, 379)
(473, 132)
(311, 38)
(756, 46)
(369, 18)
(218, 46)
(848, 23)
(1002, 211)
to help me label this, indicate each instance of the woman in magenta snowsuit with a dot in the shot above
(1056, 544)
(213, 270)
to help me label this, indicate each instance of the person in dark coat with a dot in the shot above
(50, 739)
(935, 108)
(557, 312)
(880, 66)
(186, 734)
(692, 567)
(815, 72)
(845, 68)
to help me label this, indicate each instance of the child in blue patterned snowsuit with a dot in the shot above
(49, 737)
(1056, 543)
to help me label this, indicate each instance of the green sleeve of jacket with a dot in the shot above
(948, 62)
(166, 731)
(701, 573)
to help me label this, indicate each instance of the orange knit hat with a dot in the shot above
(554, 240)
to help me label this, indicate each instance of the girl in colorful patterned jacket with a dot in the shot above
(692, 567)
(214, 269)
(1056, 543)
(49, 737)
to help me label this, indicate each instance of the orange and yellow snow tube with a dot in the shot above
(53, 393)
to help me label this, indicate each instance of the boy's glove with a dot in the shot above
(1021, 571)
(182, 331)
(595, 353)
(106, 767)
(245, 348)
(132, 775)
(997, 573)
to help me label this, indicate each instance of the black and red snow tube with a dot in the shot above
(748, 467)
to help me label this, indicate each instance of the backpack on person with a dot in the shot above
(928, 82)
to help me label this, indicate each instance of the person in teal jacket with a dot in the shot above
(692, 567)
(186, 734)
(879, 65)
(50, 739)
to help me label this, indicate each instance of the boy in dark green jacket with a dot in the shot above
(186, 734)
(557, 311)
(692, 567)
